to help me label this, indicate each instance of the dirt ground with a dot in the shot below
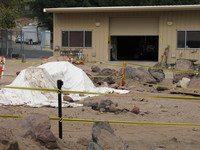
(138, 137)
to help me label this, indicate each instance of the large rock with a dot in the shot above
(142, 75)
(158, 74)
(37, 127)
(95, 68)
(184, 82)
(194, 83)
(105, 72)
(129, 72)
(183, 64)
(7, 140)
(103, 137)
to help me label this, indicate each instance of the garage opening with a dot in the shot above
(143, 48)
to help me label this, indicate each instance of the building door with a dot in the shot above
(134, 38)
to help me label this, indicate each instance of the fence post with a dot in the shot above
(121, 82)
(59, 85)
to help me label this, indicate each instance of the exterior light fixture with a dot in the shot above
(97, 24)
(169, 23)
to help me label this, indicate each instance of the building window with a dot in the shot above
(76, 38)
(188, 39)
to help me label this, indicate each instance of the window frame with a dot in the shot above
(185, 39)
(84, 38)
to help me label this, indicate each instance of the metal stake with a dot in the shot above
(59, 85)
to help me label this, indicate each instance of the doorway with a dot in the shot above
(144, 48)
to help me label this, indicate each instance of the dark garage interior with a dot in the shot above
(144, 48)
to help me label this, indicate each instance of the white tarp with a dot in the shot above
(46, 76)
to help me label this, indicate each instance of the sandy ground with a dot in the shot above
(138, 137)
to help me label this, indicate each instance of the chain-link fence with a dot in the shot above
(31, 44)
(6, 47)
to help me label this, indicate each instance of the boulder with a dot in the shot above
(104, 138)
(104, 104)
(7, 140)
(141, 74)
(105, 72)
(95, 69)
(184, 82)
(68, 99)
(135, 110)
(158, 74)
(194, 83)
(183, 64)
(37, 127)
(129, 72)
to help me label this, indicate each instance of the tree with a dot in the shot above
(37, 6)
(9, 11)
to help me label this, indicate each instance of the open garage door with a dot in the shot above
(134, 38)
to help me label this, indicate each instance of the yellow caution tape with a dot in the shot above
(29, 88)
(165, 86)
(9, 116)
(113, 122)
(103, 64)
(97, 93)
(40, 63)
(8, 75)
(164, 68)
(104, 76)
(26, 63)
(131, 95)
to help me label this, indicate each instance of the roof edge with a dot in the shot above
(122, 8)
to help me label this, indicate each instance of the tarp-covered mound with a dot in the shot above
(46, 76)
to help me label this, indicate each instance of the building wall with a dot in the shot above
(179, 20)
(80, 22)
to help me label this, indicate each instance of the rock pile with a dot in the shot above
(142, 74)
(109, 106)
(104, 72)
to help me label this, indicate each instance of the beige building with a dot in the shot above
(128, 33)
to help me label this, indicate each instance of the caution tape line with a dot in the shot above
(97, 93)
(165, 86)
(9, 116)
(103, 64)
(163, 68)
(104, 76)
(36, 63)
(30, 88)
(40, 63)
(8, 75)
(132, 95)
(26, 63)
(113, 122)
(126, 122)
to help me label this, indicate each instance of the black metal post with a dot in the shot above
(59, 85)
